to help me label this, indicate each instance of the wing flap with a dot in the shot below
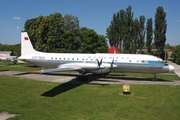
(53, 70)
(73, 66)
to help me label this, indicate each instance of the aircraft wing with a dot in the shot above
(53, 70)
(71, 66)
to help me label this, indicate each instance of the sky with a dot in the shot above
(93, 14)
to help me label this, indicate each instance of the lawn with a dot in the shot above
(17, 67)
(53, 101)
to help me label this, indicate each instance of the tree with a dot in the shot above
(141, 34)
(115, 31)
(149, 35)
(48, 32)
(120, 31)
(14, 48)
(128, 30)
(71, 24)
(176, 54)
(91, 42)
(55, 33)
(160, 31)
(135, 35)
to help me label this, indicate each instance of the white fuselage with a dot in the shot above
(123, 62)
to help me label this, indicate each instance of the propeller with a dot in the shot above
(111, 68)
(112, 62)
(99, 65)
(99, 62)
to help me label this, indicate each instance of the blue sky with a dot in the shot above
(94, 14)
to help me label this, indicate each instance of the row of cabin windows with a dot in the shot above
(70, 59)
(82, 59)
(116, 58)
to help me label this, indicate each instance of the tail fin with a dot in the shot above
(26, 45)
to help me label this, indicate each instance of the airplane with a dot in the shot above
(99, 63)
(9, 59)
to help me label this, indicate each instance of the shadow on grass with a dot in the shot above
(119, 78)
(4, 70)
(75, 82)
(78, 81)
(22, 73)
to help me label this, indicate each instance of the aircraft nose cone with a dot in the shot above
(171, 68)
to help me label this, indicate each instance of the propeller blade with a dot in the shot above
(99, 62)
(112, 62)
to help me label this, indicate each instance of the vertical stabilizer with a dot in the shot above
(26, 45)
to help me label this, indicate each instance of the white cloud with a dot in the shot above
(17, 27)
(16, 18)
(177, 21)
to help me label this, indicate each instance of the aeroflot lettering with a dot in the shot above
(38, 57)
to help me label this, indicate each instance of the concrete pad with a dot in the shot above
(5, 115)
(68, 77)
(177, 67)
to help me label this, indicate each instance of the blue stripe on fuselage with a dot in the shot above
(147, 63)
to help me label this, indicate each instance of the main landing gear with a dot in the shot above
(82, 77)
(154, 79)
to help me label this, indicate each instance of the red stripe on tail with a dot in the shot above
(26, 38)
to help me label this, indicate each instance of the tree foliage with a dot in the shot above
(128, 30)
(141, 33)
(176, 54)
(149, 35)
(92, 42)
(160, 31)
(55, 33)
(135, 35)
(128, 34)
(14, 48)
(120, 31)
(115, 30)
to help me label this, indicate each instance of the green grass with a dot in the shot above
(161, 76)
(17, 67)
(53, 101)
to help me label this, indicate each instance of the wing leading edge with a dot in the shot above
(74, 66)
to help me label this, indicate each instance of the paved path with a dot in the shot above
(5, 115)
(177, 67)
(72, 78)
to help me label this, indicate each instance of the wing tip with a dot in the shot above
(34, 72)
